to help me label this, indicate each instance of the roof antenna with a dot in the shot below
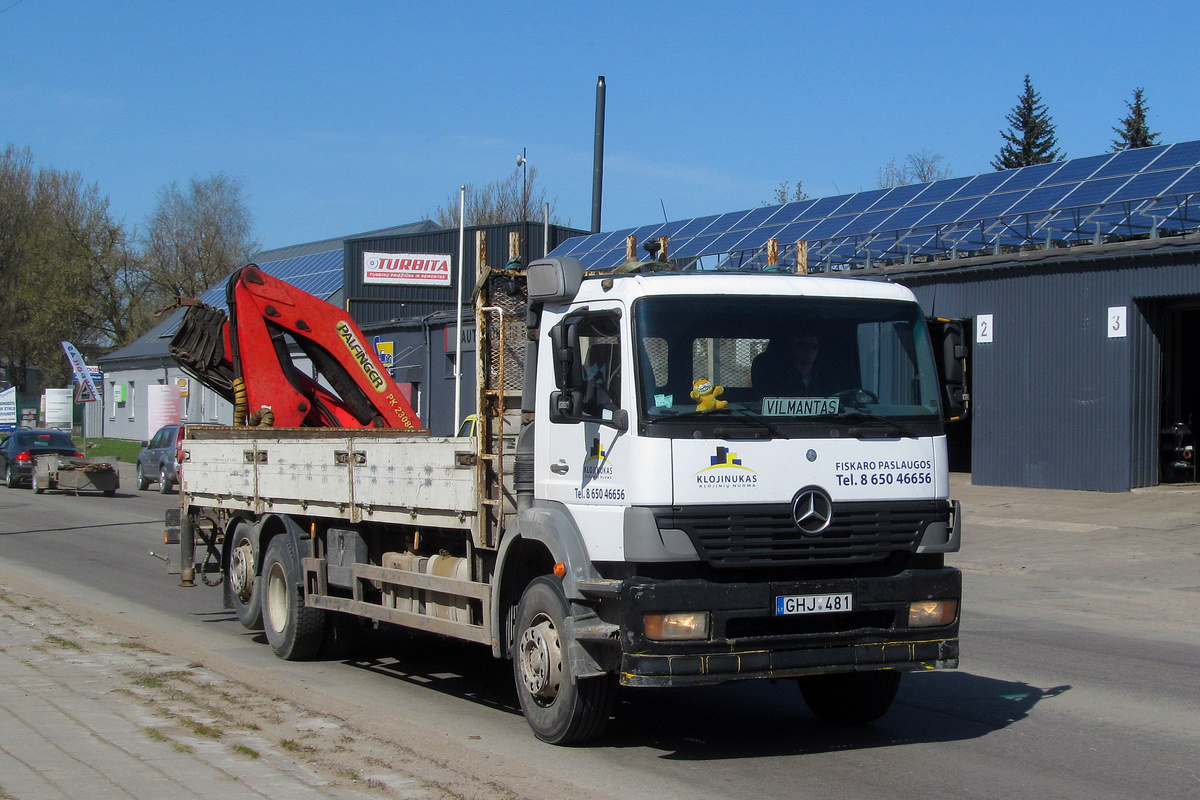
(666, 221)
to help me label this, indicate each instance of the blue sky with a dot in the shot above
(350, 116)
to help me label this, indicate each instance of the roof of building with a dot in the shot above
(1132, 193)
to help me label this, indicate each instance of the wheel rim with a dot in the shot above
(277, 598)
(541, 660)
(241, 570)
(162, 476)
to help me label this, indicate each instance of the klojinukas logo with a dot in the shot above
(726, 471)
(597, 465)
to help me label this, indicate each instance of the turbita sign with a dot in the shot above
(406, 269)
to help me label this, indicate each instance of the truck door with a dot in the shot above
(588, 420)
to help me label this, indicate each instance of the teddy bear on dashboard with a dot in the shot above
(705, 394)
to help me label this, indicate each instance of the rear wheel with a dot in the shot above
(559, 707)
(10, 477)
(294, 630)
(850, 698)
(243, 581)
(164, 484)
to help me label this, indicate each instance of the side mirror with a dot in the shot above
(550, 280)
(951, 352)
(564, 340)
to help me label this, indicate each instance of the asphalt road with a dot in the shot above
(1073, 684)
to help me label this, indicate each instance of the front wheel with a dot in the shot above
(294, 630)
(243, 580)
(559, 707)
(143, 481)
(850, 698)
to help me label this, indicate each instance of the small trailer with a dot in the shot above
(54, 471)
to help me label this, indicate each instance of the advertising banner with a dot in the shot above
(59, 408)
(87, 388)
(164, 406)
(411, 269)
(8, 409)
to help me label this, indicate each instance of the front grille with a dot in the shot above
(765, 535)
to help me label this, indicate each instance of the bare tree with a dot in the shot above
(786, 193)
(921, 167)
(514, 199)
(196, 237)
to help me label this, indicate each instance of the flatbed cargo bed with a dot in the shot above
(352, 475)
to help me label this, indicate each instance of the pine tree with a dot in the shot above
(1030, 138)
(1134, 132)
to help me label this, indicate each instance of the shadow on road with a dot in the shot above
(749, 719)
(455, 668)
(757, 718)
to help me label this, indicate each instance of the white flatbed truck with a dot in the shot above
(661, 521)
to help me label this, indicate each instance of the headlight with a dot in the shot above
(931, 613)
(680, 625)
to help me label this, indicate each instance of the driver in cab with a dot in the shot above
(791, 366)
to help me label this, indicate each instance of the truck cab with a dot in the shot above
(755, 468)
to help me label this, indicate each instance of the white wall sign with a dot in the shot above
(983, 328)
(412, 269)
(1116, 322)
(164, 406)
(59, 408)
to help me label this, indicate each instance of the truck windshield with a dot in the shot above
(783, 362)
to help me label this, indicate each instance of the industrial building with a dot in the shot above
(1082, 278)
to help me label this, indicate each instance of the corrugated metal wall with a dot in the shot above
(1056, 402)
(372, 303)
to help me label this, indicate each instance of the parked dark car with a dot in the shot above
(158, 460)
(20, 449)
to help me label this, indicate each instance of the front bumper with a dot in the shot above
(747, 640)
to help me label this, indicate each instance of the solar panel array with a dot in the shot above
(319, 274)
(1145, 192)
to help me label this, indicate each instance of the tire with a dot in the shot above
(164, 485)
(10, 477)
(241, 573)
(850, 698)
(560, 708)
(143, 481)
(294, 631)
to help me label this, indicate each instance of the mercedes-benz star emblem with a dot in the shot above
(812, 511)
